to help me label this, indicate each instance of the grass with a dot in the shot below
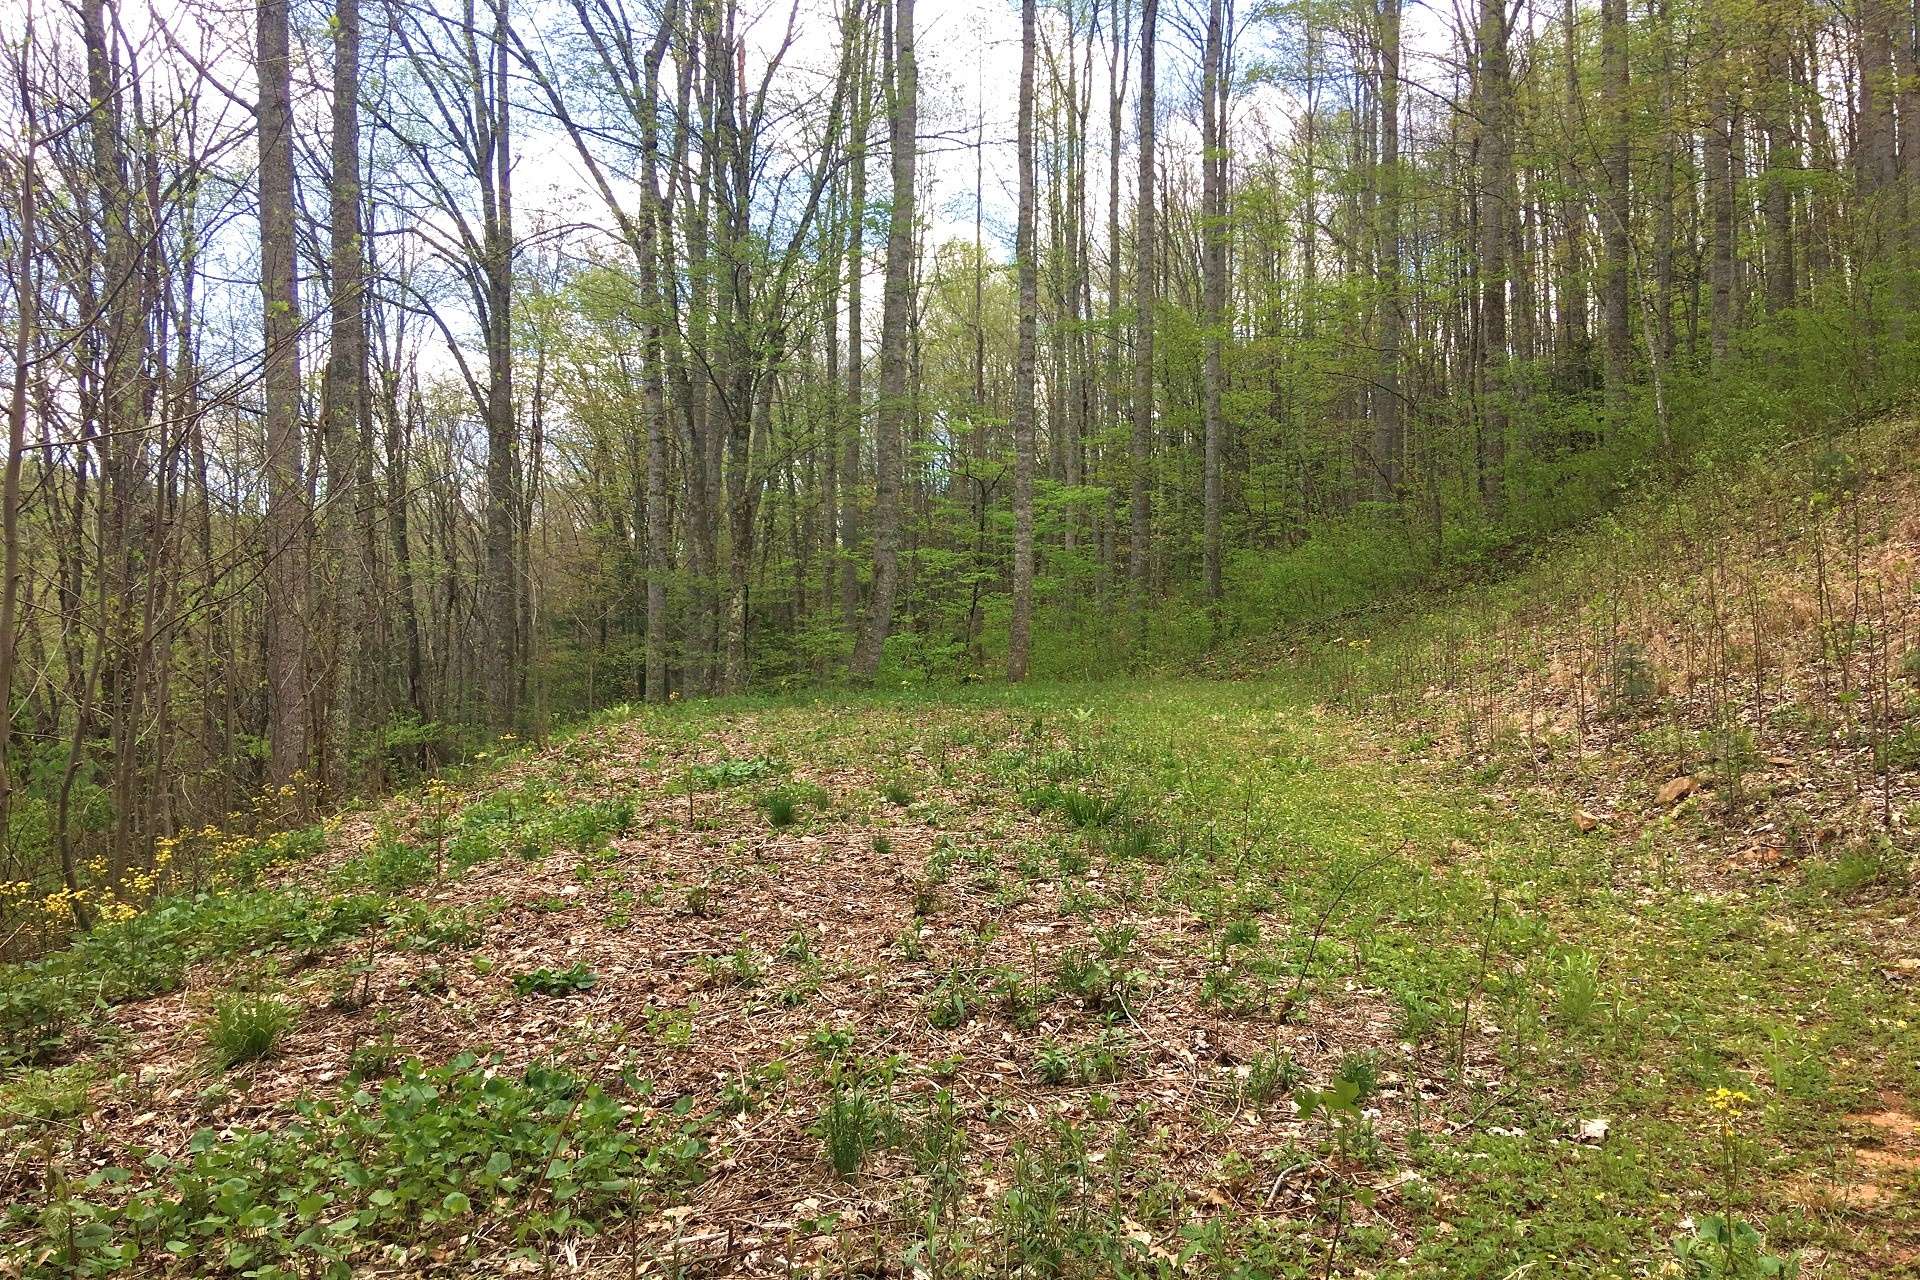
(245, 1028)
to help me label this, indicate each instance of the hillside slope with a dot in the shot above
(1562, 931)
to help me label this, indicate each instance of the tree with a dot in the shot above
(344, 412)
(287, 703)
(1138, 550)
(1018, 640)
(1214, 90)
(897, 303)
(1618, 214)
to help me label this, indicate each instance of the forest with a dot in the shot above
(1104, 637)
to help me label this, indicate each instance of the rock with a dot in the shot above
(1677, 790)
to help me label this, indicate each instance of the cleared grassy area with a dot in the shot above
(1166, 978)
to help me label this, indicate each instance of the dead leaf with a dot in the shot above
(1584, 821)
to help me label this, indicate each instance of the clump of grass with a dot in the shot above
(1117, 942)
(848, 1129)
(245, 1027)
(1577, 980)
(1242, 931)
(1272, 1074)
(780, 807)
(1092, 980)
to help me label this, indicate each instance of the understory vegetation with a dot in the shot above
(1562, 928)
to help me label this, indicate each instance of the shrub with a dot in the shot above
(37, 1010)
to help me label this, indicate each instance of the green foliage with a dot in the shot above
(782, 805)
(1577, 984)
(46, 1005)
(46, 1095)
(952, 1003)
(720, 774)
(245, 1027)
(1094, 981)
(1271, 1074)
(391, 865)
(1722, 1248)
(586, 827)
(540, 1153)
(848, 1128)
(37, 1011)
(572, 980)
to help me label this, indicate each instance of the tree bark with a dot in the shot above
(1496, 208)
(1389, 443)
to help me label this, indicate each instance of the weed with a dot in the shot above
(1271, 1074)
(952, 1002)
(1116, 942)
(1577, 986)
(374, 1059)
(733, 773)
(572, 980)
(781, 808)
(50, 1094)
(1093, 981)
(1361, 1070)
(848, 1128)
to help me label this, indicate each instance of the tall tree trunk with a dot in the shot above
(1718, 151)
(1139, 553)
(502, 588)
(894, 411)
(1023, 375)
(1389, 444)
(1116, 393)
(1496, 208)
(1783, 161)
(653, 383)
(1213, 168)
(1571, 332)
(1618, 199)
(345, 407)
(856, 343)
(26, 300)
(286, 520)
